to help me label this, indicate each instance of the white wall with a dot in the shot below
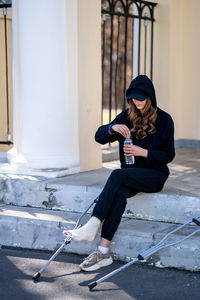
(177, 64)
(89, 82)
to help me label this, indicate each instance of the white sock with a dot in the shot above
(103, 250)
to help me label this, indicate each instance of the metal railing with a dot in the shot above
(127, 49)
(4, 5)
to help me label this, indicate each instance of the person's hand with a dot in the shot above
(133, 150)
(122, 129)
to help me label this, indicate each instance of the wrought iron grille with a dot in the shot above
(4, 5)
(127, 50)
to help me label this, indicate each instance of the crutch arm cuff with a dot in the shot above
(196, 221)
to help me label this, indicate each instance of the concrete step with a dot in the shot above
(75, 192)
(37, 228)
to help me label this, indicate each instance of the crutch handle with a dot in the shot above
(196, 221)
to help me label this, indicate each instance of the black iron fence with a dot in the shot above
(4, 5)
(127, 50)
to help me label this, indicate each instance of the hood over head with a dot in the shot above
(140, 88)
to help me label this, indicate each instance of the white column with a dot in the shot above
(45, 119)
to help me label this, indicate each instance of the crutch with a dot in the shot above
(160, 245)
(67, 240)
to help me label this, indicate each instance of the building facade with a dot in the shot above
(57, 80)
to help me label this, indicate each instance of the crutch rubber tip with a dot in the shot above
(92, 285)
(36, 276)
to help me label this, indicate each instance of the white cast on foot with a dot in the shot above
(86, 233)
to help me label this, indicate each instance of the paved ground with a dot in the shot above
(63, 280)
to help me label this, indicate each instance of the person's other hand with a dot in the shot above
(133, 150)
(122, 129)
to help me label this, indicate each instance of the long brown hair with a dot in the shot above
(143, 122)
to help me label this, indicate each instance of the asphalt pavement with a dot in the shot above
(63, 279)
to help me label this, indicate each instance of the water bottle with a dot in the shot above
(130, 160)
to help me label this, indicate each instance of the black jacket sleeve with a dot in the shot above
(166, 152)
(102, 135)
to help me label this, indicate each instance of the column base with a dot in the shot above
(49, 166)
(11, 169)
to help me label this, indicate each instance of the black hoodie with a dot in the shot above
(160, 145)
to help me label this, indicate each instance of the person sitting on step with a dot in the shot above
(152, 133)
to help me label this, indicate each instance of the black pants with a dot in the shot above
(122, 184)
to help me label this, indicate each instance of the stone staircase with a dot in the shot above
(35, 210)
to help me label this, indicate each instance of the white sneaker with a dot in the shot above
(95, 261)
